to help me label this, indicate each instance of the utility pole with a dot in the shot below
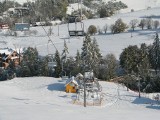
(58, 29)
(84, 92)
(81, 10)
(139, 89)
(139, 84)
(19, 56)
(127, 71)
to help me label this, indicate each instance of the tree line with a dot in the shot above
(142, 63)
(89, 59)
(119, 26)
(46, 10)
(136, 64)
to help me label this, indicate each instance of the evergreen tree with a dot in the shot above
(86, 54)
(78, 59)
(64, 52)
(96, 55)
(111, 64)
(154, 53)
(144, 63)
(107, 67)
(30, 58)
(58, 69)
(90, 55)
(42, 65)
(46, 9)
(70, 67)
(110, 8)
(78, 63)
(25, 70)
(129, 59)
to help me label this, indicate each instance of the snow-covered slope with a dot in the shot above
(43, 98)
(107, 43)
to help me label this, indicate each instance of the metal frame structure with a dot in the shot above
(76, 32)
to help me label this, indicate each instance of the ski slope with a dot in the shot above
(43, 98)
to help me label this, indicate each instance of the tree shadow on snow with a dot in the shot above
(19, 98)
(151, 16)
(56, 87)
(152, 104)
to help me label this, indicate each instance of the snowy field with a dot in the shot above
(43, 98)
(108, 43)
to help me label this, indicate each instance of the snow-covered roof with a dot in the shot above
(54, 22)
(74, 7)
(79, 75)
(71, 80)
(11, 9)
(88, 75)
(7, 51)
(14, 57)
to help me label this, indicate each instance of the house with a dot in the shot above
(71, 85)
(16, 11)
(154, 72)
(22, 26)
(8, 55)
(4, 26)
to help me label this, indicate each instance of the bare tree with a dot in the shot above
(149, 23)
(105, 28)
(142, 23)
(99, 30)
(156, 24)
(112, 28)
(133, 23)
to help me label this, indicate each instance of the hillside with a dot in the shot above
(43, 98)
(108, 43)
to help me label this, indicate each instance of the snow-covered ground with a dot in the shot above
(43, 98)
(107, 43)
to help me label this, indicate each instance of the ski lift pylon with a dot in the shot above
(51, 62)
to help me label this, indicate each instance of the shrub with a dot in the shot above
(119, 26)
(92, 29)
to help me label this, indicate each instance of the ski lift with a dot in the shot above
(64, 76)
(51, 62)
(76, 31)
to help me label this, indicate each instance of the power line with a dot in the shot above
(50, 40)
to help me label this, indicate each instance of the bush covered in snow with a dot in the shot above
(92, 29)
